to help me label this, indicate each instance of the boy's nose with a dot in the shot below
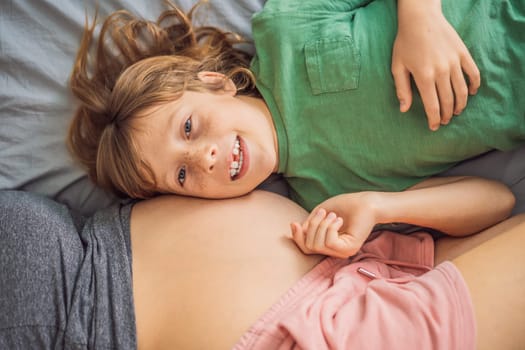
(208, 157)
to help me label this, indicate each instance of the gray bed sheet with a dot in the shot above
(38, 42)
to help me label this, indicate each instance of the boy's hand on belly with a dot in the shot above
(338, 227)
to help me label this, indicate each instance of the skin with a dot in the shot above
(339, 226)
(497, 286)
(197, 267)
(194, 136)
(444, 93)
(429, 50)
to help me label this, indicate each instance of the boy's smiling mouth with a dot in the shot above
(237, 159)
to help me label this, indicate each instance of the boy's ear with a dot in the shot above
(217, 79)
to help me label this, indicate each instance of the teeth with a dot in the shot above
(235, 166)
(236, 147)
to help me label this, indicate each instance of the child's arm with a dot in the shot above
(457, 206)
(429, 49)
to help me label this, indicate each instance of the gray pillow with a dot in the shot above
(38, 42)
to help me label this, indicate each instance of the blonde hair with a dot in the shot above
(140, 64)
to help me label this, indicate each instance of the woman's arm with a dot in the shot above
(457, 206)
(429, 49)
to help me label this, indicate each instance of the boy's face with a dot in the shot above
(208, 144)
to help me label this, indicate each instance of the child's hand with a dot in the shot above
(429, 49)
(326, 232)
(320, 235)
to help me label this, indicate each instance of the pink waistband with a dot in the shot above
(373, 292)
(267, 324)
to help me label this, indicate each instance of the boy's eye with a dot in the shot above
(187, 127)
(182, 176)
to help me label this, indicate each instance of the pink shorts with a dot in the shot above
(386, 297)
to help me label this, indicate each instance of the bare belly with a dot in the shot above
(204, 271)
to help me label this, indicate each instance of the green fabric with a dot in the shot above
(323, 67)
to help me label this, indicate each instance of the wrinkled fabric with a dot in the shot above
(324, 70)
(65, 283)
(386, 297)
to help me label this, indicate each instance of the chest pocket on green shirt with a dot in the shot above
(332, 64)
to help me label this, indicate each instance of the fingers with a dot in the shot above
(298, 236)
(403, 88)
(319, 240)
(444, 89)
(472, 72)
(322, 235)
(429, 96)
(443, 95)
(446, 98)
(460, 90)
(333, 238)
(313, 226)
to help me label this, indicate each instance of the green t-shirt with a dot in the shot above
(323, 67)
